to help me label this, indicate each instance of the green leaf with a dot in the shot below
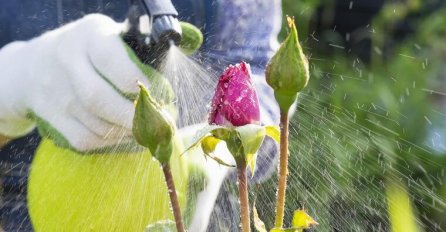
(273, 132)
(162, 226)
(251, 136)
(259, 225)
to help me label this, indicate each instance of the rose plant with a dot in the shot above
(235, 119)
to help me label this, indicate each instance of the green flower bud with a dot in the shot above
(287, 71)
(192, 38)
(153, 127)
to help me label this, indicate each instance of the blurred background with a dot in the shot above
(368, 140)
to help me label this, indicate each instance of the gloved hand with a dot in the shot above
(74, 81)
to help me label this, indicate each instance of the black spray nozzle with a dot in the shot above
(165, 25)
(164, 29)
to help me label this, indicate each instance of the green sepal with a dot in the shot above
(208, 141)
(153, 127)
(251, 137)
(162, 226)
(235, 147)
(243, 142)
(208, 145)
(201, 134)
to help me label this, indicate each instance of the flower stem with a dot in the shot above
(173, 197)
(283, 169)
(244, 201)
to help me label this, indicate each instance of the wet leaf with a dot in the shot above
(301, 220)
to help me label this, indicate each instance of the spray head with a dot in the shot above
(164, 30)
(165, 25)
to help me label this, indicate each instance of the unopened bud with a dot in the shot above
(153, 127)
(287, 71)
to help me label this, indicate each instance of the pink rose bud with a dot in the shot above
(235, 101)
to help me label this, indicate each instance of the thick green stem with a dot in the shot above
(244, 201)
(173, 197)
(283, 169)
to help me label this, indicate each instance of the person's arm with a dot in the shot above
(74, 83)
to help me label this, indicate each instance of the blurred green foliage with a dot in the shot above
(362, 125)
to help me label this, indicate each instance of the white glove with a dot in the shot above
(74, 81)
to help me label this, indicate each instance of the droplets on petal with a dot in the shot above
(235, 101)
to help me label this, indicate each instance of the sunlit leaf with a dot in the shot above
(209, 143)
(302, 220)
(273, 132)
